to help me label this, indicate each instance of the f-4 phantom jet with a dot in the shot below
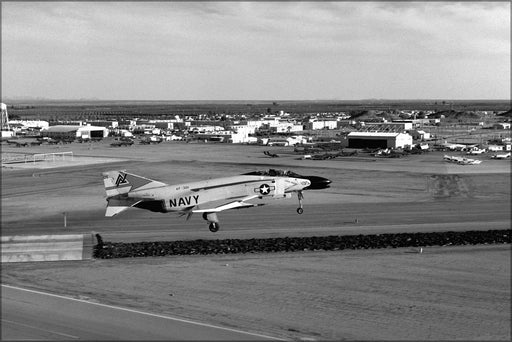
(208, 197)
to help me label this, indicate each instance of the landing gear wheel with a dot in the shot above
(300, 196)
(214, 227)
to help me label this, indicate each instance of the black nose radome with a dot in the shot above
(317, 183)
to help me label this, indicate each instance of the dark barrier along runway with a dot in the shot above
(280, 220)
(33, 315)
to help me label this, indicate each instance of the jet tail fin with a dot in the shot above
(117, 186)
(121, 182)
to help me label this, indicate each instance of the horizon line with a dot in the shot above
(32, 99)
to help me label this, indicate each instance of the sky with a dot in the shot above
(255, 50)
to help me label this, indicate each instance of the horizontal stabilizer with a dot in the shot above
(112, 211)
(117, 205)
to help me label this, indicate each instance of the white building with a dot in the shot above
(103, 123)
(501, 125)
(322, 124)
(206, 129)
(240, 137)
(65, 131)
(244, 128)
(38, 124)
(378, 140)
(498, 148)
(275, 125)
(287, 127)
(296, 139)
(419, 134)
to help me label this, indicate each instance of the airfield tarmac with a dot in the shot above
(443, 293)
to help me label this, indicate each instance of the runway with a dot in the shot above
(34, 315)
(280, 219)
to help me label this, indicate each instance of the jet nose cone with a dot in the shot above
(317, 183)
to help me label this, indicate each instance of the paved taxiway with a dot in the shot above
(280, 219)
(29, 315)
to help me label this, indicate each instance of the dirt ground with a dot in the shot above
(443, 293)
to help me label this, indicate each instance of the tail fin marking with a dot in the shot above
(121, 182)
(118, 184)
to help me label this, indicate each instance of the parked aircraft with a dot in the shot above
(151, 140)
(119, 143)
(476, 150)
(270, 154)
(208, 197)
(457, 147)
(461, 160)
(17, 143)
(501, 156)
(469, 161)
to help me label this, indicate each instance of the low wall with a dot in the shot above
(25, 248)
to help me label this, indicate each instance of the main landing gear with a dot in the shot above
(213, 221)
(214, 227)
(300, 196)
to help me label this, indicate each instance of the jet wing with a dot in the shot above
(231, 205)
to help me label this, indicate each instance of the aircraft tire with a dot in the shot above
(300, 211)
(214, 227)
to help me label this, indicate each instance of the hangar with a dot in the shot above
(73, 131)
(378, 140)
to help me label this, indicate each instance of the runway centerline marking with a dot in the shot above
(145, 313)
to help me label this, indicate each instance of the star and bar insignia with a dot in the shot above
(264, 189)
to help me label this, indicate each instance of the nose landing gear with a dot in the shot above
(300, 196)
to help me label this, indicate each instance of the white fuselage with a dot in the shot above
(180, 197)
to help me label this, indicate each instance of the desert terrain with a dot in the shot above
(441, 293)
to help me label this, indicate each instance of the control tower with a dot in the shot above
(4, 120)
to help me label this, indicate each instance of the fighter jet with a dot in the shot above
(208, 197)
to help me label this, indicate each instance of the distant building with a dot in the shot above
(378, 140)
(419, 135)
(501, 125)
(243, 128)
(143, 129)
(69, 131)
(240, 137)
(104, 123)
(322, 124)
(498, 148)
(407, 124)
(395, 127)
(38, 124)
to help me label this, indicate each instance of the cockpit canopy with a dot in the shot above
(273, 172)
(316, 181)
